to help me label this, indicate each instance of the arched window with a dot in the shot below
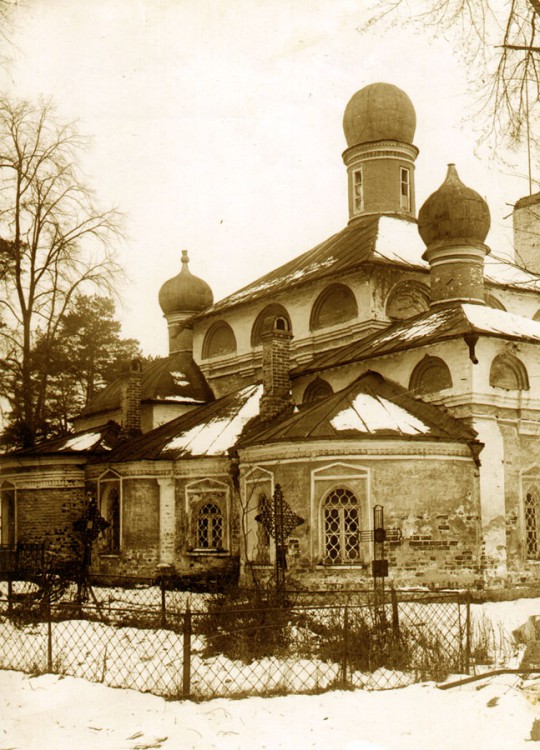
(431, 374)
(7, 515)
(110, 511)
(272, 316)
(219, 340)
(509, 373)
(209, 527)
(493, 302)
(406, 299)
(532, 519)
(336, 304)
(317, 390)
(341, 525)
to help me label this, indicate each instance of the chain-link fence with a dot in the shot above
(176, 644)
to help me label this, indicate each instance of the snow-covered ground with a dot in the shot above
(50, 712)
(53, 713)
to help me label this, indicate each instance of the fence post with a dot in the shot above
(345, 658)
(10, 594)
(49, 632)
(163, 603)
(468, 634)
(186, 665)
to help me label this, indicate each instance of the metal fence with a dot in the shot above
(181, 645)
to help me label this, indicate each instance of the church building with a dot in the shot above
(394, 365)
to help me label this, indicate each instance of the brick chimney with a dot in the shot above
(130, 401)
(276, 397)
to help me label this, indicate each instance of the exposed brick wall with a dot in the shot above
(131, 400)
(435, 504)
(47, 515)
(275, 372)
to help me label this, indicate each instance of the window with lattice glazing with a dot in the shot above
(532, 517)
(341, 519)
(209, 527)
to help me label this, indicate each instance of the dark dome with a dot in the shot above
(379, 112)
(185, 292)
(454, 212)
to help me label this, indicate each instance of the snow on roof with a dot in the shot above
(398, 240)
(266, 284)
(370, 413)
(501, 322)
(84, 442)
(220, 432)
(179, 378)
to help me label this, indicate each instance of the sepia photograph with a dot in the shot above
(270, 374)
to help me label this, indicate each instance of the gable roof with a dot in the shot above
(209, 430)
(437, 324)
(173, 378)
(370, 407)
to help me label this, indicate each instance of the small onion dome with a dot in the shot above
(185, 292)
(454, 212)
(379, 112)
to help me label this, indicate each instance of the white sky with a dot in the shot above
(217, 126)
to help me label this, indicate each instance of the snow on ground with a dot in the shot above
(53, 713)
(50, 712)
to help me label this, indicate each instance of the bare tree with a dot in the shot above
(55, 243)
(499, 41)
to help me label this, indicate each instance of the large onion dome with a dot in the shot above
(454, 213)
(379, 112)
(185, 293)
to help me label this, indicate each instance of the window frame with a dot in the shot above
(343, 513)
(198, 495)
(8, 495)
(107, 484)
(357, 190)
(405, 197)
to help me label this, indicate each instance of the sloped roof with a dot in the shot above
(209, 430)
(370, 407)
(438, 324)
(174, 378)
(343, 251)
(97, 440)
(376, 238)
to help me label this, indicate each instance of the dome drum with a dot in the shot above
(379, 125)
(453, 223)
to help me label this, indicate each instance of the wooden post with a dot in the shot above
(49, 633)
(468, 634)
(345, 656)
(163, 603)
(186, 664)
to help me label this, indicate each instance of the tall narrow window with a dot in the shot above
(209, 527)
(341, 518)
(531, 524)
(110, 510)
(262, 553)
(358, 191)
(405, 183)
(7, 516)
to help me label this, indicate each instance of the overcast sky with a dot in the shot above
(217, 126)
